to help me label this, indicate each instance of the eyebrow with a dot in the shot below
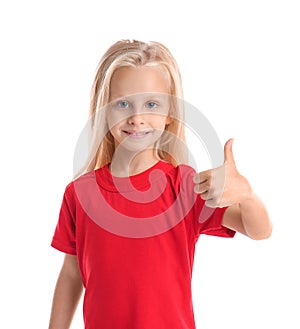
(147, 95)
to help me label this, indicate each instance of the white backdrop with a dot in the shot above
(240, 66)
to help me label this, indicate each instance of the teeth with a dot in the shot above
(138, 133)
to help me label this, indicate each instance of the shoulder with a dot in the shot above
(85, 180)
(181, 177)
(182, 171)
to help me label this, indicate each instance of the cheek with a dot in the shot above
(115, 132)
(114, 119)
(161, 121)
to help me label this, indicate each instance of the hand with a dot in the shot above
(223, 186)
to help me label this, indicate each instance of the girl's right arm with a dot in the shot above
(67, 294)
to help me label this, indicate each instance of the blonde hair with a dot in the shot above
(133, 53)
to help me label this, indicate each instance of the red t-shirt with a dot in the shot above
(135, 239)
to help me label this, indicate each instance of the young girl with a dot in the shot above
(129, 222)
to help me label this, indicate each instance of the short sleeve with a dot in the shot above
(209, 220)
(205, 220)
(64, 238)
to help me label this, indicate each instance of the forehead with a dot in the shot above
(137, 80)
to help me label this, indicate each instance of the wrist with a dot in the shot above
(248, 195)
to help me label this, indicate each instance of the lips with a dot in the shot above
(136, 133)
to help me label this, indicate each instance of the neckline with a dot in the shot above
(140, 181)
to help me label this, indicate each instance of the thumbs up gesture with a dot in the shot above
(223, 186)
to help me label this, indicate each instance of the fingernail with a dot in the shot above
(196, 179)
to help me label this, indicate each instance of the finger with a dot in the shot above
(211, 203)
(228, 153)
(202, 176)
(202, 188)
(212, 198)
(204, 196)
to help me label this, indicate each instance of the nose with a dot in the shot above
(137, 117)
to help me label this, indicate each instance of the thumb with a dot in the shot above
(228, 154)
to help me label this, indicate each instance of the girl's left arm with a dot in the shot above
(249, 217)
(225, 187)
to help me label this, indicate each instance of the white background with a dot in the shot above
(240, 66)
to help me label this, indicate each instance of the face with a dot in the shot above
(139, 107)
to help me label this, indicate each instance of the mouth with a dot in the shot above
(136, 133)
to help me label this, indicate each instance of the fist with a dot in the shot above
(222, 186)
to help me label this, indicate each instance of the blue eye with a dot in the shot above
(152, 105)
(123, 104)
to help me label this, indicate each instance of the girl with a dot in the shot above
(129, 222)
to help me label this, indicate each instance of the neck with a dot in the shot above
(126, 163)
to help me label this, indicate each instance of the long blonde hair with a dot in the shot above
(133, 53)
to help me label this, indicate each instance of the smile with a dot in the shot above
(136, 134)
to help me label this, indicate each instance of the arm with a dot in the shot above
(249, 217)
(225, 187)
(67, 294)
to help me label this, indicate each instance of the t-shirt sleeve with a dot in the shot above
(64, 238)
(205, 220)
(209, 220)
